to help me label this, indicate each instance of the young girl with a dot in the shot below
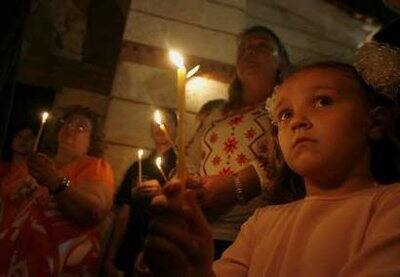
(332, 136)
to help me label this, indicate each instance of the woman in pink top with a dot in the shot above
(335, 136)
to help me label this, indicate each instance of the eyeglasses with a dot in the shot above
(76, 125)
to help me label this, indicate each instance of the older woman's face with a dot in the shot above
(74, 135)
(257, 56)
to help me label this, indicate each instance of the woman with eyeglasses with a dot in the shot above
(57, 229)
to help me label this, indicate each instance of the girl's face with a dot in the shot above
(74, 135)
(323, 123)
(257, 56)
(22, 143)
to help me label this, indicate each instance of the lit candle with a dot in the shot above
(177, 59)
(158, 121)
(140, 155)
(158, 164)
(45, 115)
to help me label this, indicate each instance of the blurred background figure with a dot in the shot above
(58, 228)
(16, 151)
(13, 170)
(132, 200)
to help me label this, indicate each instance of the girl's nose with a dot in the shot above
(300, 121)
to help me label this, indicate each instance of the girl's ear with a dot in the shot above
(378, 118)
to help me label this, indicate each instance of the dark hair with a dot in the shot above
(209, 106)
(235, 88)
(96, 145)
(171, 114)
(389, 33)
(385, 153)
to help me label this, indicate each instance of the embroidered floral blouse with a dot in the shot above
(224, 144)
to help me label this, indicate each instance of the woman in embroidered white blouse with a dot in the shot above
(233, 142)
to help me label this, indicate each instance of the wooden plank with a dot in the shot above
(158, 57)
(59, 72)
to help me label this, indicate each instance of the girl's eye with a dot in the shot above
(284, 115)
(323, 101)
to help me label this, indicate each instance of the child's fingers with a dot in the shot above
(194, 214)
(161, 206)
(173, 188)
(178, 236)
(193, 181)
(160, 252)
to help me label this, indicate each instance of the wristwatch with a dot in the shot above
(62, 186)
(239, 190)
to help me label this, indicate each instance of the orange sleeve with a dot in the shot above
(95, 172)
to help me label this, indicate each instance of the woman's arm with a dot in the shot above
(86, 203)
(218, 193)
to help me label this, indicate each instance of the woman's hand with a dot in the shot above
(24, 188)
(179, 242)
(149, 188)
(212, 192)
(43, 169)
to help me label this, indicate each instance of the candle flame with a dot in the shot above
(192, 71)
(45, 115)
(158, 117)
(176, 58)
(159, 162)
(140, 153)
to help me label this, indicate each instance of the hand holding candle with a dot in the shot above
(45, 115)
